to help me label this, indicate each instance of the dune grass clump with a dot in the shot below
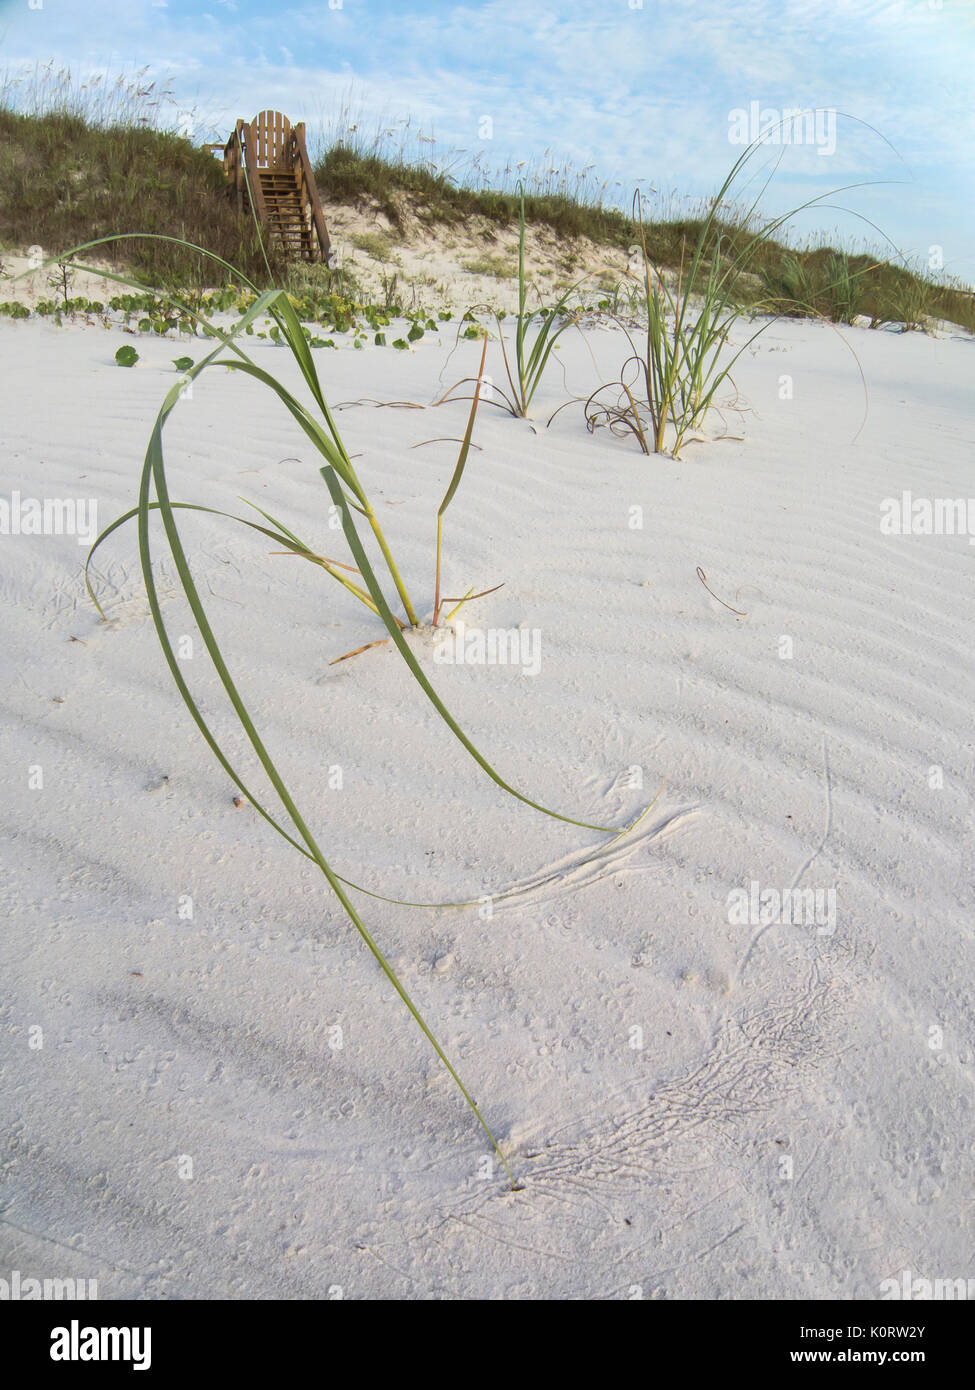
(908, 303)
(550, 323)
(666, 388)
(905, 300)
(495, 266)
(832, 288)
(526, 367)
(669, 383)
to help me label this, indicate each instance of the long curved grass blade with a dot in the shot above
(465, 448)
(154, 476)
(465, 443)
(293, 546)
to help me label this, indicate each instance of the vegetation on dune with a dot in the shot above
(841, 288)
(347, 175)
(63, 181)
(81, 161)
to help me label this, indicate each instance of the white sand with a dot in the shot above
(474, 261)
(658, 1169)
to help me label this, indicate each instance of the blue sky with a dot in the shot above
(644, 92)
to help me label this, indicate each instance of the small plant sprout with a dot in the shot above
(62, 280)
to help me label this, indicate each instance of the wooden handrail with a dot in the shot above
(233, 163)
(310, 192)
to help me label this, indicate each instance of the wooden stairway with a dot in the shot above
(267, 165)
(285, 213)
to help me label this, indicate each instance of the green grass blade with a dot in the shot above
(154, 474)
(466, 443)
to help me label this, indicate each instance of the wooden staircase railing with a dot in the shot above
(267, 167)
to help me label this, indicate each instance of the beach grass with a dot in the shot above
(338, 467)
(537, 331)
(548, 322)
(666, 389)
